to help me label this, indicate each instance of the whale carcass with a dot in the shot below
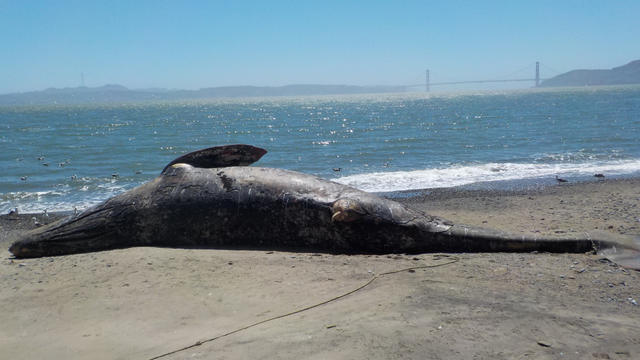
(211, 198)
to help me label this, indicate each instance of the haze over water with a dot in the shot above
(380, 143)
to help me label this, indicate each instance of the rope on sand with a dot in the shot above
(374, 278)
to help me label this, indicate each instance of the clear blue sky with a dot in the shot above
(193, 44)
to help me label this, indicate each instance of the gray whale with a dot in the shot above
(210, 198)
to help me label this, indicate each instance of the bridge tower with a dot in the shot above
(426, 84)
(537, 73)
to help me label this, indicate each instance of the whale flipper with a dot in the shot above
(221, 156)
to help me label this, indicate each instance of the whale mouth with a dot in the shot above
(18, 250)
(74, 234)
(38, 247)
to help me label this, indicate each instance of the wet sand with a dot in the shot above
(140, 303)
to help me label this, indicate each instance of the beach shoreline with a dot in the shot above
(143, 302)
(555, 210)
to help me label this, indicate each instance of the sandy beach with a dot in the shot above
(141, 303)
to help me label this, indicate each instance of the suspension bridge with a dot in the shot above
(428, 84)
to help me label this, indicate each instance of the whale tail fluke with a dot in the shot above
(221, 156)
(625, 257)
(622, 250)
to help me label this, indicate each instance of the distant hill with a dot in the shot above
(120, 94)
(626, 74)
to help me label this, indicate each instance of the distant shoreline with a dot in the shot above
(66, 97)
(121, 94)
(621, 75)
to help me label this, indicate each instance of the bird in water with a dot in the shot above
(600, 176)
(561, 180)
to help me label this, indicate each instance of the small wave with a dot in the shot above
(464, 175)
(63, 198)
(324, 142)
(582, 155)
(37, 202)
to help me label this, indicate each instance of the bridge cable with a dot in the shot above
(552, 70)
(517, 71)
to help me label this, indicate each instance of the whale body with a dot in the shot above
(210, 198)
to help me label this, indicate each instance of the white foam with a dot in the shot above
(62, 199)
(463, 175)
(84, 196)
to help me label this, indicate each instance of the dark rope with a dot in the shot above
(198, 343)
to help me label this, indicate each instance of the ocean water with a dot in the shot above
(61, 157)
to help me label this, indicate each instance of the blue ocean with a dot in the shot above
(63, 157)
